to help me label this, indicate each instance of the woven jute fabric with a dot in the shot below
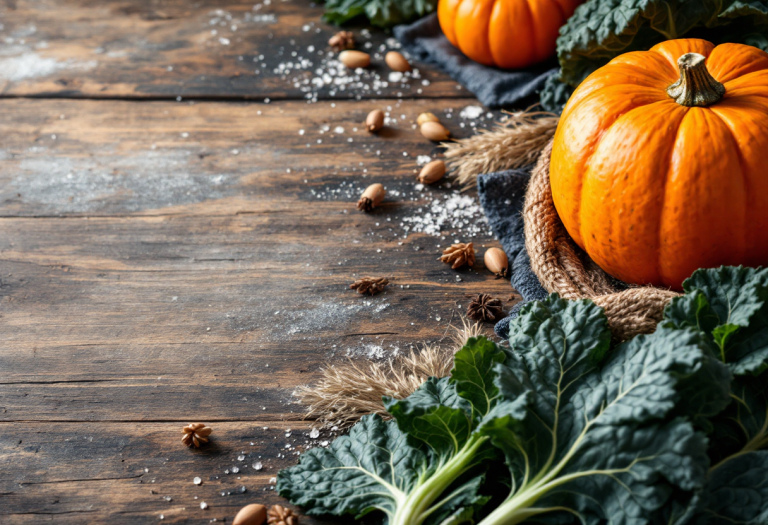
(564, 268)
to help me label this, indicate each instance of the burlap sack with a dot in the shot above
(562, 267)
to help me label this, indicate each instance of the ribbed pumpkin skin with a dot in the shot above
(653, 190)
(509, 34)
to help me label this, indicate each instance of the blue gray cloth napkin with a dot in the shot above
(493, 87)
(502, 195)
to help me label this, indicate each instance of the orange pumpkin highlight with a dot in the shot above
(652, 189)
(510, 34)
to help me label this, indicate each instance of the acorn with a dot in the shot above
(372, 197)
(375, 120)
(253, 514)
(432, 172)
(397, 62)
(497, 262)
(354, 59)
(426, 117)
(434, 131)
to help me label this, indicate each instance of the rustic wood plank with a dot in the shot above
(94, 158)
(156, 256)
(205, 49)
(129, 298)
(147, 319)
(136, 473)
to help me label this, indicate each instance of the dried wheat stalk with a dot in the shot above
(350, 391)
(514, 143)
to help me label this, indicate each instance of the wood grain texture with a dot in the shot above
(124, 473)
(201, 49)
(165, 262)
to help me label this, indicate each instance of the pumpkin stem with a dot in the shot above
(696, 87)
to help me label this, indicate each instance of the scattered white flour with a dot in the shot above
(471, 112)
(86, 184)
(32, 65)
(421, 160)
(455, 213)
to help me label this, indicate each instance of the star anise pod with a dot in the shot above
(342, 40)
(195, 434)
(279, 515)
(458, 255)
(485, 308)
(369, 285)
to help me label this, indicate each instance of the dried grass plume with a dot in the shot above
(514, 143)
(349, 391)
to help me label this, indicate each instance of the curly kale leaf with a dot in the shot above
(371, 468)
(601, 30)
(602, 436)
(730, 304)
(381, 13)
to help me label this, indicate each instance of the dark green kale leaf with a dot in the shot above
(736, 493)
(371, 468)
(730, 304)
(381, 13)
(743, 426)
(603, 441)
(601, 30)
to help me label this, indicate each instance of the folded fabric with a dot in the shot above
(502, 196)
(493, 87)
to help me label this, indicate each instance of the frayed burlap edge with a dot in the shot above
(563, 268)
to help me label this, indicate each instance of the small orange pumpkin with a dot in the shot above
(510, 34)
(659, 164)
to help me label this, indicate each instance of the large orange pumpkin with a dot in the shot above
(660, 162)
(509, 34)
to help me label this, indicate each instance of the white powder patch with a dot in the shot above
(321, 315)
(374, 351)
(456, 213)
(149, 180)
(421, 160)
(31, 65)
(471, 112)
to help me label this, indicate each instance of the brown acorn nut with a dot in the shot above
(497, 262)
(432, 172)
(342, 40)
(397, 62)
(375, 120)
(253, 514)
(354, 59)
(426, 117)
(372, 197)
(434, 131)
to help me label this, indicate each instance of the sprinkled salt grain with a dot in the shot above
(235, 470)
(241, 458)
(421, 160)
(197, 481)
(224, 41)
(338, 130)
(258, 465)
(314, 433)
(203, 505)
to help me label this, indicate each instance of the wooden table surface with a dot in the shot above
(178, 231)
